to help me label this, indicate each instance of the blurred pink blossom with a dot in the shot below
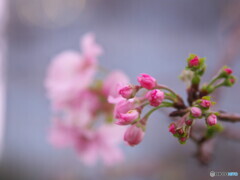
(78, 104)
(90, 144)
(70, 72)
(112, 84)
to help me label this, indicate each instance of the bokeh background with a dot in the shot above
(138, 36)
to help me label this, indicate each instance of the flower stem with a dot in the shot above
(213, 81)
(168, 89)
(165, 104)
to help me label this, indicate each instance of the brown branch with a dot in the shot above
(223, 116)
(229, 117)
(231, 134)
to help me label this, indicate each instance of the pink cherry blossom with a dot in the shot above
(84, 108)
(61, 134)
(89, 46)
(133, 135)
(125, 112)
(147, 81)
(127, 118)
(196, 112)
(211, 120)
(70, 72)
(103, 143)
(155, 97)
(112, 84)
(110, 137)
(90, 144)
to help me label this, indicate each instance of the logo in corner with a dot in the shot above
(212, 173)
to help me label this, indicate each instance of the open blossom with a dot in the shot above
(147, 81)
(89, 46)
(71, 72)
(112, 84)
(133, 135)
(194, 62)
(211, 120)
(155, 97)
(128, 117)
(78, 103)
(206, 103)
(90, 144)
(102, 143)
(196, 112)
(125, 112)
(84, 108)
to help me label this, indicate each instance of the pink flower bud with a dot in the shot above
(172, 128)
(194, 62)
(127, 92)
(228, 71)
(196, 112)
(206, 103)
(155, 97)
(180, 131)
(183, 139)
(211, 120)
(133, 135)
(189, 122)
(147, 81)
(232, 80)
(128, 117)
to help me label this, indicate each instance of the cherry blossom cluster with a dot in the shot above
(90, 114)
(129, 111)
(79, 101)
(200, 109)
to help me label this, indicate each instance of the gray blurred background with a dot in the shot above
(138, 36)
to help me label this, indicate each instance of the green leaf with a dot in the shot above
(213, 130)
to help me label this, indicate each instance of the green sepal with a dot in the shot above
(207, 98)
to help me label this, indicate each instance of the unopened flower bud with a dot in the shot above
(189, 122)
(228, 71)
(183, 140)
(196, 112)
(172, 128)
(127, 91)
(211, 120)
(225, 72)
(180, 132)
(147, 81)
(155, 97)
(230, 81)
(206, 103)
(194, 62)
(133, 135)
